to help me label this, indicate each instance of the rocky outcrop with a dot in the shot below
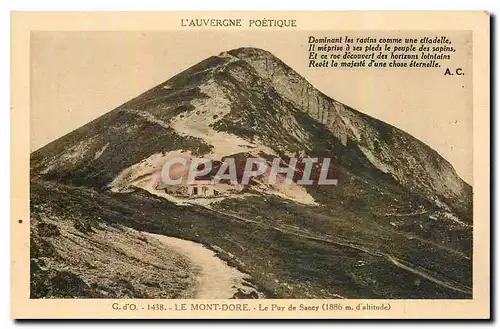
(409, 161)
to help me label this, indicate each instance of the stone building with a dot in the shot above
(201, 189)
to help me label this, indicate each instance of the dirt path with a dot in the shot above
(217, 280)
(390, 258)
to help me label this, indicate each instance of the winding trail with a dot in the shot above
(216, 279)
(424, 273)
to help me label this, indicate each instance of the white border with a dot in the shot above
(128, 5)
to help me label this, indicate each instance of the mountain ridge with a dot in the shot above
(399, 206)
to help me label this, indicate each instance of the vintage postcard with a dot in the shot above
(250, 165)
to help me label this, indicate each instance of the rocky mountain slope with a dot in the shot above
(398, 224)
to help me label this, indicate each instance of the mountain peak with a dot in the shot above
(258, 58)
(245, 93)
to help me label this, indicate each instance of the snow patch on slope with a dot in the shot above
(101, 151)
(145, 169)
(375, 160)
(197, 123)
(71, 156)
(292, 192)
(149, 117)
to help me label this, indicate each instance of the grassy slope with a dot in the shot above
(70, 258)
(288, 261)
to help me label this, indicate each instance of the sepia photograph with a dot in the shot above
(317, 170)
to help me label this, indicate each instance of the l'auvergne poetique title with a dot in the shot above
(237, 22)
